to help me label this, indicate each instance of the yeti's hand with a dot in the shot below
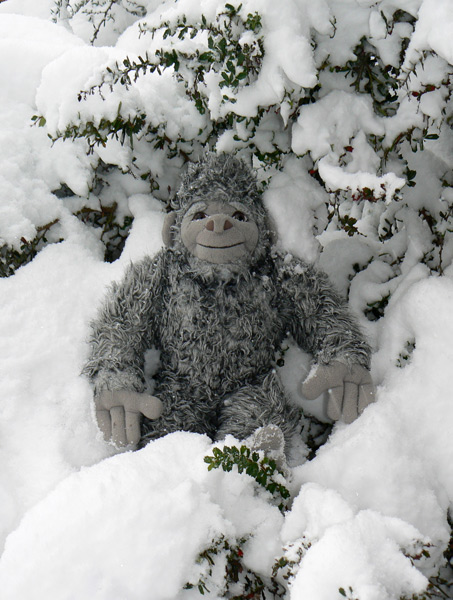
(118, 414)
(350, 389)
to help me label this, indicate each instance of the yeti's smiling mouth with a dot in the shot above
(220, 247)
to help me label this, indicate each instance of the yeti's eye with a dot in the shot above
(199, 215)
(239, 216)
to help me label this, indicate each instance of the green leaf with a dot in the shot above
(222, 44)
(206, 56)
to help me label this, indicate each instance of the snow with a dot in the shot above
(386, 467)
(432, 31)
(349, 549)
(300, 194)
(80, 520)
(337, 179)
(28, 43)
(30, 8)
(333, 122)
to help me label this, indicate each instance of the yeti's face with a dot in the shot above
(219, 232)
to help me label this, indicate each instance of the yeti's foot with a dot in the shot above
(271, 441)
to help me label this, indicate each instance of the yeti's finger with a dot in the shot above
(322, 378)
(335, 403)
(104, 423)
(150, 406)
(133, 433)
(107, 399)
(366, 396)
(118, 426)
(350, 402)
(358, 374)
(138, 402)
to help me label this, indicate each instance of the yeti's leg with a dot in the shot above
(184, 410)
(256, 406)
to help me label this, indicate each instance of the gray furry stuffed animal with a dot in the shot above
(217, 303)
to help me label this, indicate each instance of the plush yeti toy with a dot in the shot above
(217, 303)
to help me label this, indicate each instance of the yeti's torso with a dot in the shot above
(219, 334)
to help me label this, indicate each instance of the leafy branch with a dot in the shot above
(264, 470)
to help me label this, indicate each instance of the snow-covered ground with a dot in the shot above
(78, 520)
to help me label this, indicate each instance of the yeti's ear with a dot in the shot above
(167, 233)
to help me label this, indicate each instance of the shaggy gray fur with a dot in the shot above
(218, 327)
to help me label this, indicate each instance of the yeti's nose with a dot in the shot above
(219, 223)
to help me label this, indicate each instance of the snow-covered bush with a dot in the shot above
(344, 109)
(351, 102)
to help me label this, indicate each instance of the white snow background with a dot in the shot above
(78, 522)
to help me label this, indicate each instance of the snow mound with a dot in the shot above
(133, 525)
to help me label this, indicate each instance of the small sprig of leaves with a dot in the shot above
(98, 12)
(230, 45)
(375, 310)
(287, 566)
(405, 355)
(370, 76)
(349, 593)
(441, 228)
(263, 469)
(11, 258)
(113, 234)
(236, 62)
(240, 582)
(440, 586)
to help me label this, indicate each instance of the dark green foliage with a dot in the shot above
(440, 227)
(229, 48)
(239, 582)
(99, 13)
(237, 64)
(439, 587)
(375, 310)
(286, 568)
(370, 76)
(113, 234)
(11, 258)
(98, 133)
(349, 594)
(405, 356)
(262, 469)
(219, 50)
(315, 434)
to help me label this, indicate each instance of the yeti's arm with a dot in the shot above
(318, 318)
(125, 327)
(320, 322)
